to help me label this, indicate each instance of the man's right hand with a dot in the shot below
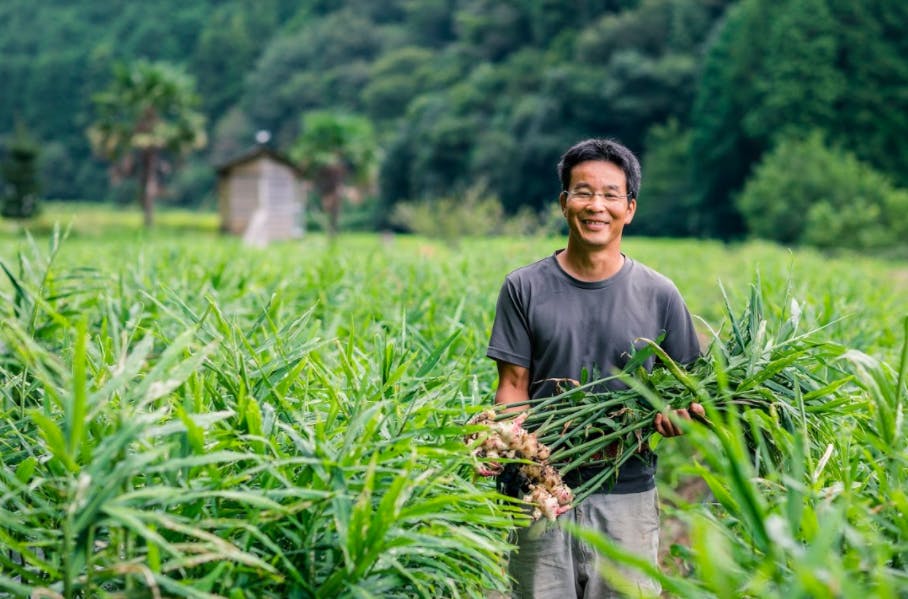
(666, 427)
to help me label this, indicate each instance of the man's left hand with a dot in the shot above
(667, 428)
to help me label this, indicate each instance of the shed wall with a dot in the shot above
(264, 195)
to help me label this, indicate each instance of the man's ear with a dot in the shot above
(562, 199)
(631, 210)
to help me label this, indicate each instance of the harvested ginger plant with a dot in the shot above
(507, 439)
(766, 375)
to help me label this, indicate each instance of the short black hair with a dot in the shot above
(607, 150)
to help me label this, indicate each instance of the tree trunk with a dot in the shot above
(329, 181)
(331, 203)
(148, 185)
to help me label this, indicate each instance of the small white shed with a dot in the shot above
(262, 196)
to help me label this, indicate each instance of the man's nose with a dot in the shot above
(597, 203)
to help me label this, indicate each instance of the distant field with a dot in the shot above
(94, 220)
(865, 292)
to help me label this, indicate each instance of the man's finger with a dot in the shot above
(665, 427)
(699, 413)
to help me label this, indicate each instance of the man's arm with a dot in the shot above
(513, 386)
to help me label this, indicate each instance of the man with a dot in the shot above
(581, 309)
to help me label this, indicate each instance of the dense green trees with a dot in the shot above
(507, 117)
(666, 205)
(466, 91)
(466, 80)
(781, 68)
(804, 191)
(147, 119)
(57, 54)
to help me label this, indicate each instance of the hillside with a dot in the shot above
(467, 91)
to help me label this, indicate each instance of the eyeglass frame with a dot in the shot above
(608, 197)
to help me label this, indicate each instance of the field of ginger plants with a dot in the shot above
(185, 416)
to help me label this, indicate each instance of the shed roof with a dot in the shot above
(258, 151)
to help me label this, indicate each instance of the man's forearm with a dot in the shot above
(507, 395)
(513, 387)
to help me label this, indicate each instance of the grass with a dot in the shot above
(184, 416)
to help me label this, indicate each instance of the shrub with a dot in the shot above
(20, 170)
(895, 211)
(452, 218)
(826, 227)
(806, 192)
(473, 215)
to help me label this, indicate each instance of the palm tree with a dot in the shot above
(338, 152)
(146, 118)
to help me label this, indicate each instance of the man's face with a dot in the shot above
(596, 221)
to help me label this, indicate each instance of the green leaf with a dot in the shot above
(77, 411)
(26, 469)
(53, 436)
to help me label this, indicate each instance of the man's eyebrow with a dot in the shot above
(613, 186)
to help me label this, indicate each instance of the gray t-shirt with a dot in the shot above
(558, 327)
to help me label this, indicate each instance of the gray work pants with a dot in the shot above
(551, 564)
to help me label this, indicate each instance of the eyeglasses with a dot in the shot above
(585, 195)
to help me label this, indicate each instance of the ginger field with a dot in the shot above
(186, 416)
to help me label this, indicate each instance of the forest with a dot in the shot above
(761, 118)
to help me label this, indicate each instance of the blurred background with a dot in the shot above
(780, 119)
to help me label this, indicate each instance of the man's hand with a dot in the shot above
(667, 428)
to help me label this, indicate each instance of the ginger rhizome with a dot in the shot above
(507, 439)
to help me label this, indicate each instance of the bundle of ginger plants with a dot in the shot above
(788, 375)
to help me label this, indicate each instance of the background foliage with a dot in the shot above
(460, 91)
(800, 190)
(19, 169)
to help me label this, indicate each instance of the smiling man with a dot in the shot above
(582, 309)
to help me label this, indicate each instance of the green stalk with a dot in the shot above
(575, 411)
(589, 487)
(67, 550)
(903, 365)
(597, 444)
(676, 370)
(553, 429)
(77, 410)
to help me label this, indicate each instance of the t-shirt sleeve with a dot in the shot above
(681, 342)
(510, 340)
